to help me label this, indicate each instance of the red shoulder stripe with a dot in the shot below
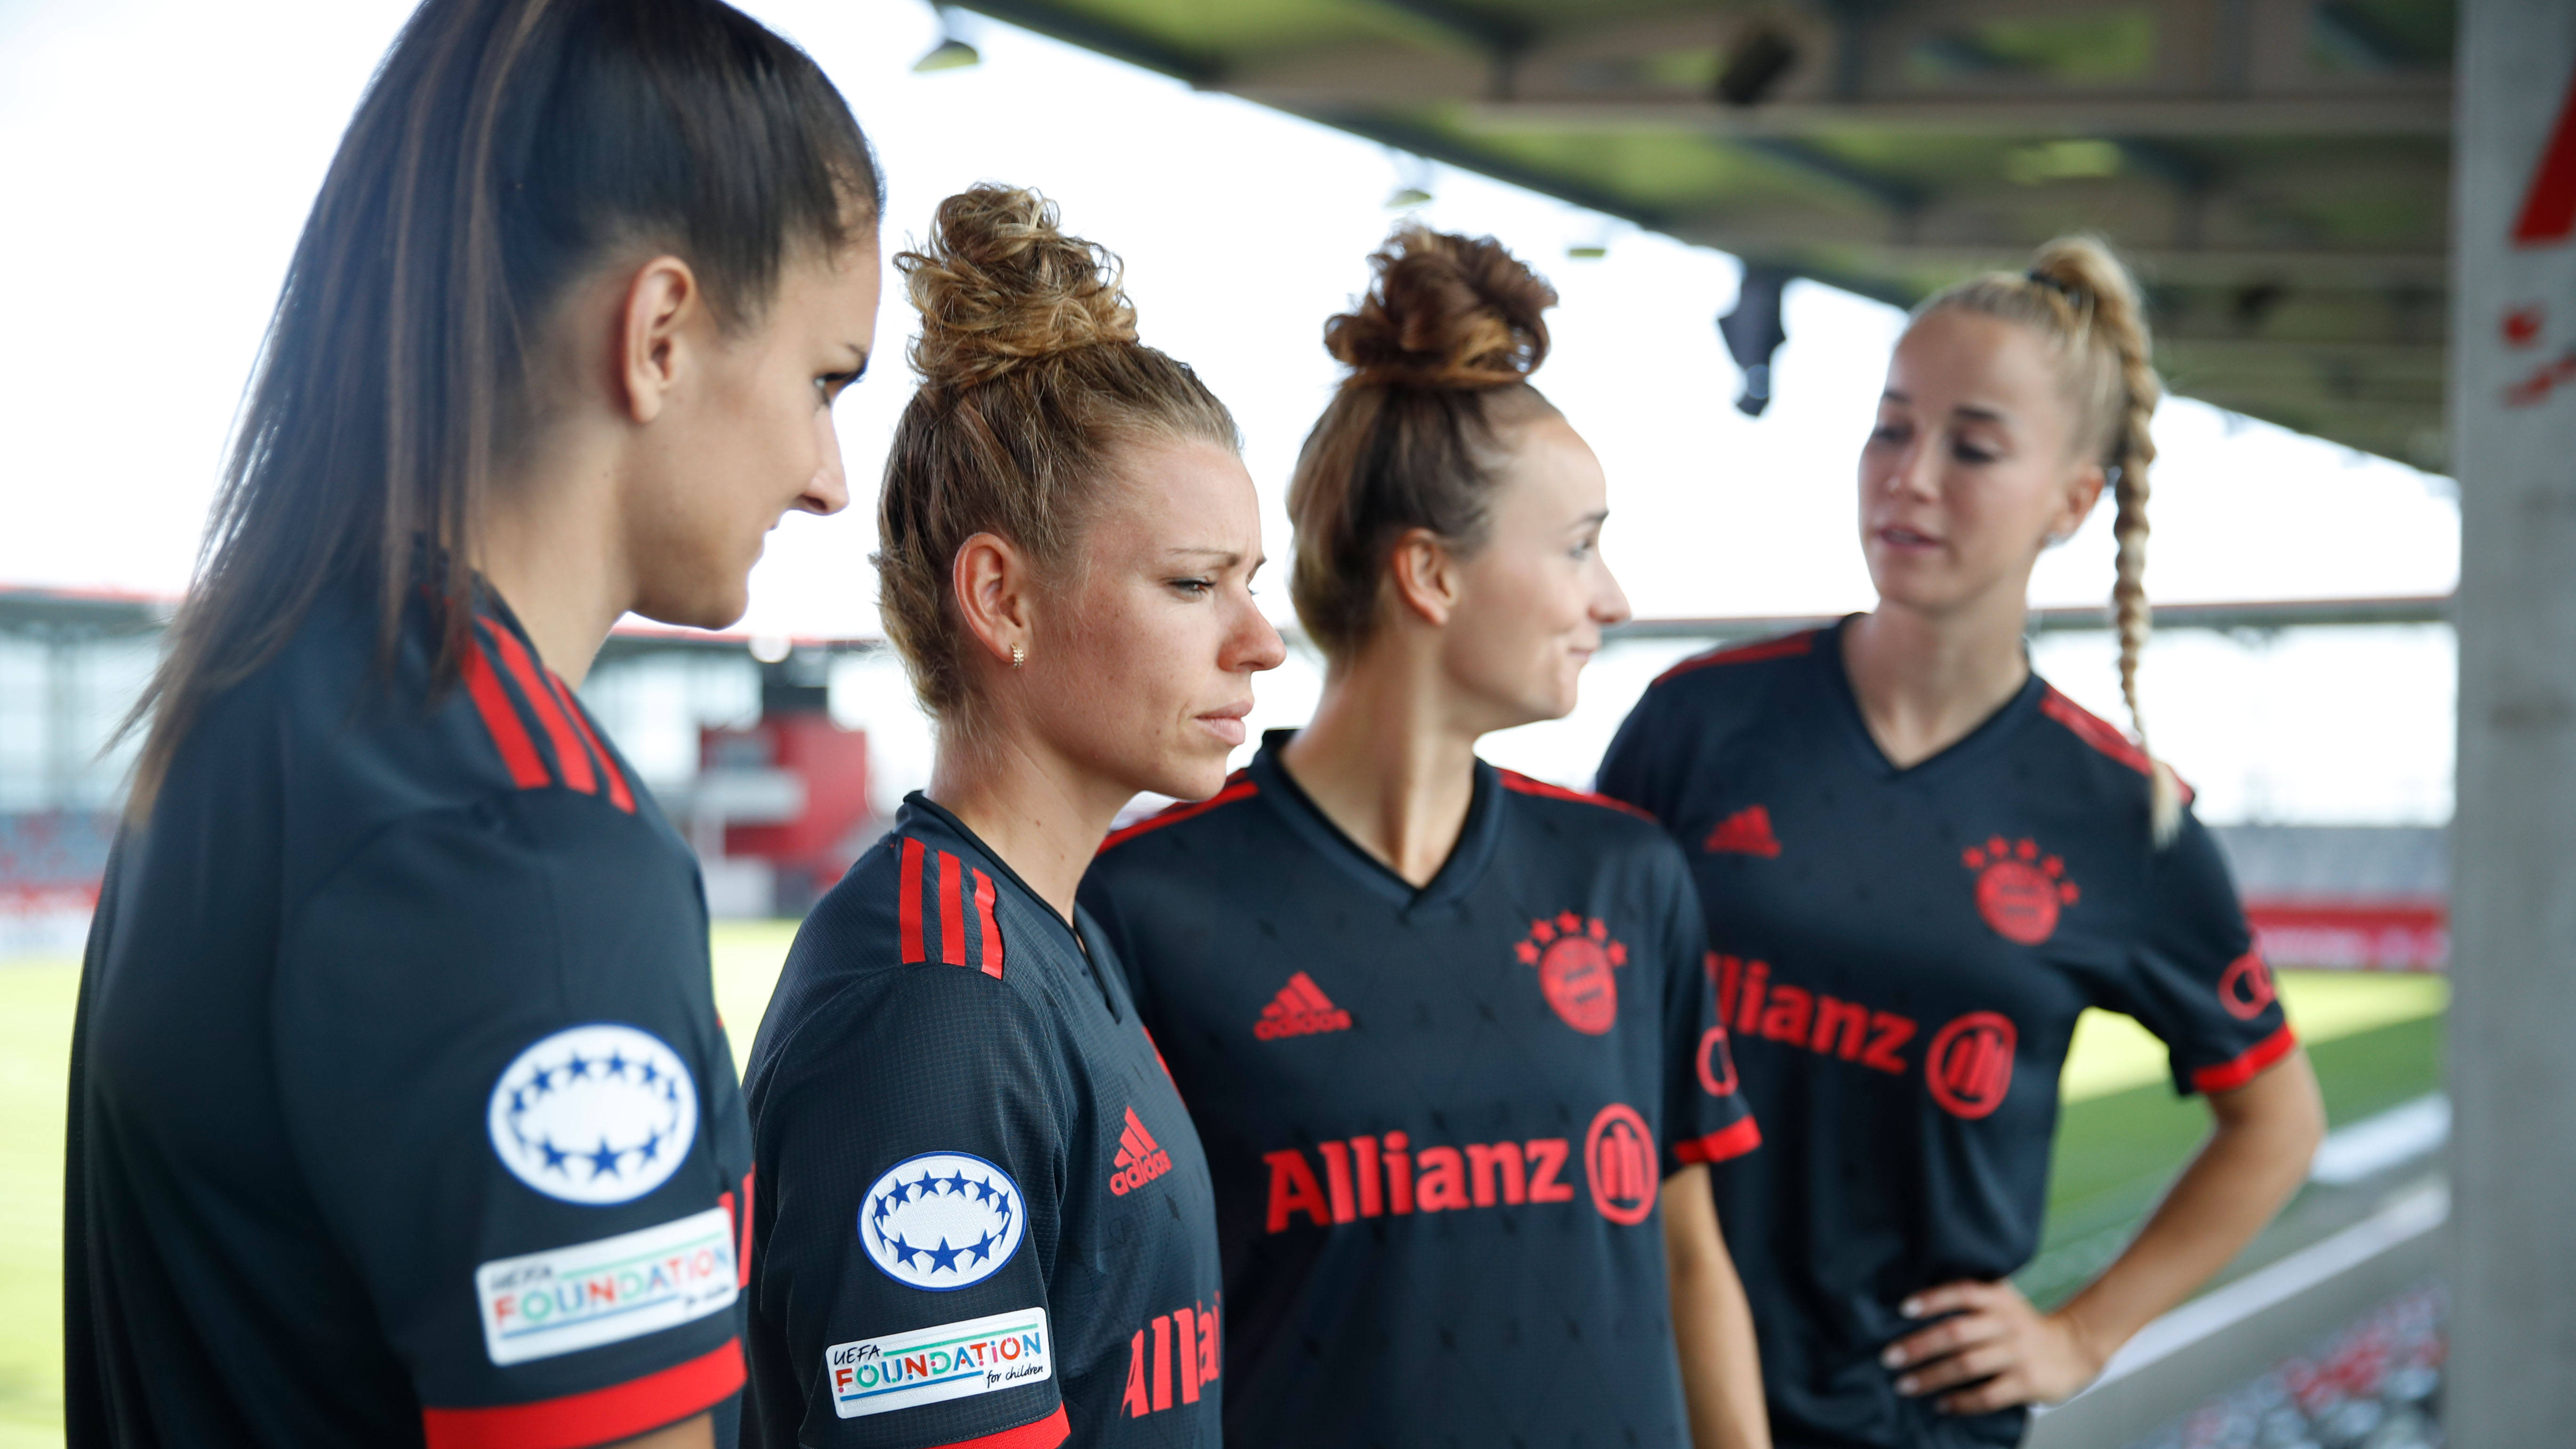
(907, 901)
(1522, 784)
(2227, 1076)
(1238, 786)
(620, 1411)
(952, 910)
(501, 719)
(1046, 1433)
(570, 757)
(1787, 646)
(1722, 1144)
(618, 794)
(2094, 730)
(992, 931)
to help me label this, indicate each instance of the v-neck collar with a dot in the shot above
(2007, 718)
(1457, 875)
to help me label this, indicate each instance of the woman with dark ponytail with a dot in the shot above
(1445, 1028)
(400, 1112)
(1920, 864)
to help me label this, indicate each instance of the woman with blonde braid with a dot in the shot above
(1920, 863)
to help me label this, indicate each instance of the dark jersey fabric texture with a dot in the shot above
(1438, 1117)
(1902, 955)
(983, 1214)
(400, 1112)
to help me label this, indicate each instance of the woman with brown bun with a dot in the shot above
(1445, 1028)
(982, 1215)
(1921, 863)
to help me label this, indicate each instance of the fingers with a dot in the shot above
(1948, 1336)
(2003, 1391)
(1964, 1295)
(1982, 1362)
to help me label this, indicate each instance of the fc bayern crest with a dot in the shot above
(942, 1220)
(595, 1114)
(1576, 957)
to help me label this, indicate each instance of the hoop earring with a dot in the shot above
(1019, 656)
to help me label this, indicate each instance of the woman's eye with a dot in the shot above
(832, 384)
(1970, 453)
(1194, 587)
(1887, 433)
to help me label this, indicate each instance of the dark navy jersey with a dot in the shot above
(983, 1216)
(1438, 1118)
(1902, 955)
(399, 1107)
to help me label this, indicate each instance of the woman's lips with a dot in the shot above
(1907, 538)
(1227, 723)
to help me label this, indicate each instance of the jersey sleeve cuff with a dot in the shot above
(1046, 1433)
(2229, 1075)
(1722, 1144)
(603, 1416)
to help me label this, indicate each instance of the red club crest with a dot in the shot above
(2019, 892)
(1970, 1065)
(1575, 956)
(2246, 987)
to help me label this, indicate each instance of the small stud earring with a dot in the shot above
(1019, 656)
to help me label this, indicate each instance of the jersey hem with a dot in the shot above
(2229, 1075)
(1725, 1143)
(1046, 1433)
(601, 1416)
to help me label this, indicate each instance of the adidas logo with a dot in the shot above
(1300, 1009)
(1140, 1158)
(1746, 832)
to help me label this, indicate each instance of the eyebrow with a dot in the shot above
(1224, 556)
(1965, 410)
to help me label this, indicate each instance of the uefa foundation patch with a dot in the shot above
(942, 1220)
(542, 1304)
(929, 1365)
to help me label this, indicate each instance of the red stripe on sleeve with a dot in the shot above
(1046, 1433)
(907, 898)
(509, 736)
(2227, 1076)
(523, 667)
(601, 1416)
(618, 794)
(1720, 1145)
(991, 928)
(952, 911)
(742, 1254)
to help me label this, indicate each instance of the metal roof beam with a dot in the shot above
(2416, 111)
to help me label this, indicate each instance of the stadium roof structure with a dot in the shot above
(2277, 170)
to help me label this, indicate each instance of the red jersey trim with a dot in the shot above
(618, 794)
(907, 901)
(601, 1416)
(1046, 1433)
(2251, 1063)
(992, 930)
(1237, 787)
(570, 757)
(1520, 784)
(1722, 1144)
(501, 720)
(952, 910)
(1787, 646)
(2102, 735)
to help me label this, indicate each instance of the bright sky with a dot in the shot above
(157, 158)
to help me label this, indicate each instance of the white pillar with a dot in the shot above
(2513, 445)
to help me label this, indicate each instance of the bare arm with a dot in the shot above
(697, 1433)
(1712, 1323)
(2266, 1135)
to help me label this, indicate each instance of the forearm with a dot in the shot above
(1721, 1367)
(697, 1433)
(2266, 1136)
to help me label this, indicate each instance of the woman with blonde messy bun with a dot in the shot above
(1921, 863)
(1396, 982)
(978, 1193)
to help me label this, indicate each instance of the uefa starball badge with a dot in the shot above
(942, 1221)
(594, 1114)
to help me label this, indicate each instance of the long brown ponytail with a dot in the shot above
(2079, 296)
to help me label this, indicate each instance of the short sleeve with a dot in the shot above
(1630, 770)
(1707, 1117)
(2195, 978)
(506, 1089)
(910, 1132)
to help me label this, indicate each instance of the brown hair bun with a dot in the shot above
(1000, 283)
(1445, 313)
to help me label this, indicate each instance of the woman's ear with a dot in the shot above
(2083, 490)
(1424, 575)
(660, 303)
(995, 593)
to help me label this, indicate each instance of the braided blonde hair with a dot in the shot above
(2078, 296)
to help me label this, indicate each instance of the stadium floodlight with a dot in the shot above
(1753, 333)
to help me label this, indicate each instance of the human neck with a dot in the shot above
(1038, 812)
(1925, 680)
(550, 548)
(1388, 761)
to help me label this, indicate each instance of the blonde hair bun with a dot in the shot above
(1445, 313)
(1000, 283)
